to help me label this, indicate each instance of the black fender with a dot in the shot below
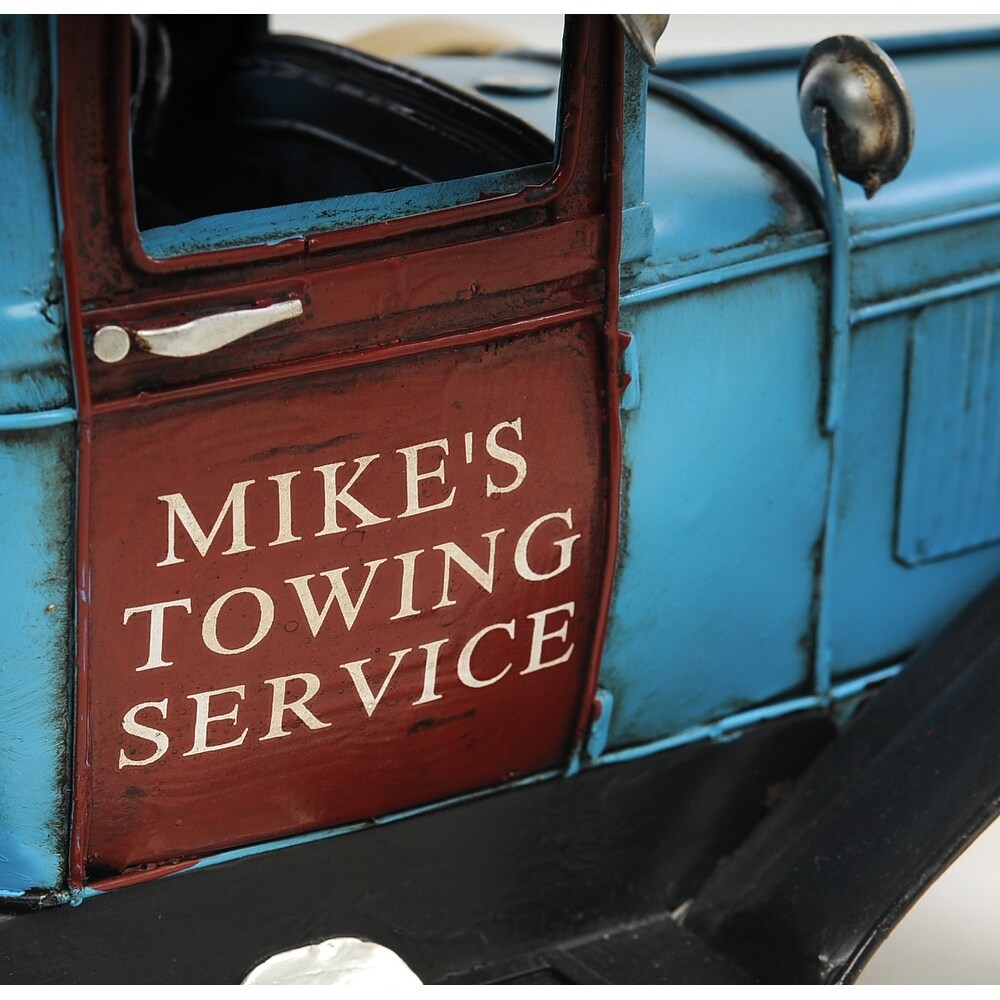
(908, 785)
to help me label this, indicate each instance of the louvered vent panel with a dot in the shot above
(949, 491)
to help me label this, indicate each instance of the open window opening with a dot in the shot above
(228, 118)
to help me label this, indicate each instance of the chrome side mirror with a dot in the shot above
(849, 88)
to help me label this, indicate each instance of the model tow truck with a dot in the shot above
(537, 515)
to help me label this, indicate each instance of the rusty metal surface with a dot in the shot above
(34, 362)
(407, 562)
(36, 633)
(869, 118)
(36, 480)
(483, 388)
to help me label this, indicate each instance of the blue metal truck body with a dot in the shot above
(810, 470)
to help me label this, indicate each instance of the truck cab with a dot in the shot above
(489, 505)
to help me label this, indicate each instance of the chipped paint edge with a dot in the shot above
(723, 730)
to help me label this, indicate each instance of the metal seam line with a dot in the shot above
(38, 418)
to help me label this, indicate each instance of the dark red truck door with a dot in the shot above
(357, 561)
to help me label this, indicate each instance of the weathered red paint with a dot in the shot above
(93, 60)
(372, 304)
(459, 737)
(309, 366)
(615, 342)
(414, 332)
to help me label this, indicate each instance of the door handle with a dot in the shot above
(195, 337)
